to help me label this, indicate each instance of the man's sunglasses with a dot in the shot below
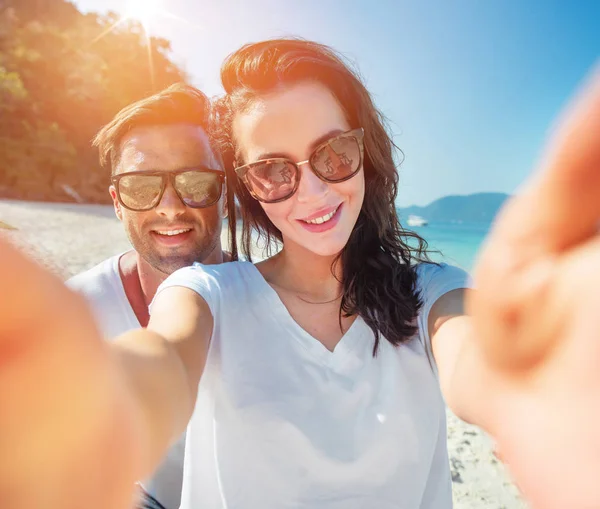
(274, 180)
(142, 190)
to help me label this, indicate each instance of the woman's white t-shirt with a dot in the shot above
(281, 422)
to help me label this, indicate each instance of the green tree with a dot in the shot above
(63, 74)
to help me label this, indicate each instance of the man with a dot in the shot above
(168, 191)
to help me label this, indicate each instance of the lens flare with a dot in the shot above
(146, 11)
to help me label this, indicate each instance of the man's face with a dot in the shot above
(171, 235)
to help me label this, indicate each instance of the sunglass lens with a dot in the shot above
(337, 160)
(139, 192)
(272, 180)
(198, 189)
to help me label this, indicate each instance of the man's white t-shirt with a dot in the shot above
(103, 287)
(281, 422)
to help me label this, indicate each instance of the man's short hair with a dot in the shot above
(178, 104)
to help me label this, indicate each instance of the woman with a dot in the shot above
(318, 373)
(321, 366)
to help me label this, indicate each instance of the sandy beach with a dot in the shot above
(70, 238)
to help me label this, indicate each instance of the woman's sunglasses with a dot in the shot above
(142, 190)
(275, 180)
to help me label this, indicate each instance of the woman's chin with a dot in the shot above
(323, 247)
(327, 253)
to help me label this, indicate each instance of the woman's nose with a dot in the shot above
(311, 187)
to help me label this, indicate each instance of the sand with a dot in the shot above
(70, 238)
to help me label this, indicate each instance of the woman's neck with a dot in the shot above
(305, 273)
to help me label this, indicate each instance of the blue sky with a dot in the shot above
(470, 87)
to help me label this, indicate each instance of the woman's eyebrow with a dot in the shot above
(313, 145)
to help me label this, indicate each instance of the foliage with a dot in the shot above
(64, 74)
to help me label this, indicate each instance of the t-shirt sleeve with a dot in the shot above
(434, 281)
(198, 278)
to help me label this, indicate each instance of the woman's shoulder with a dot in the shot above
(435, 279)
(212, 282)
(221, 274)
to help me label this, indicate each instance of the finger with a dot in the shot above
(560, 206)
(569, 191)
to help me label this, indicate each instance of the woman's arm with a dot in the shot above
(524, 365)
(81, 419)
(451, 342)
(163, 365)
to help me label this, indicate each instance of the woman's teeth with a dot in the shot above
(322, 219)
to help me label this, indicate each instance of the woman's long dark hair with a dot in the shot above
(378, 262)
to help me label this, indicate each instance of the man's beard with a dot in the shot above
(167, 264)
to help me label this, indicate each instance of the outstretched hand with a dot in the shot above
(536, 319)
(68, 435)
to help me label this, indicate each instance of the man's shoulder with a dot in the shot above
(103, 289)
(96, 280)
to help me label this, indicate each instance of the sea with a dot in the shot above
(456, 243)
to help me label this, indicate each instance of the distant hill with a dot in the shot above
(480, 207)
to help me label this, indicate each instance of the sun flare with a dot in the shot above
(146, 11)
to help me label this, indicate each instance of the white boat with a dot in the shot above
(414, 220)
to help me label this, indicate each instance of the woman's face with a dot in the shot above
(290, 123)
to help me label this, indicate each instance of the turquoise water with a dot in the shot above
(458, 242)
